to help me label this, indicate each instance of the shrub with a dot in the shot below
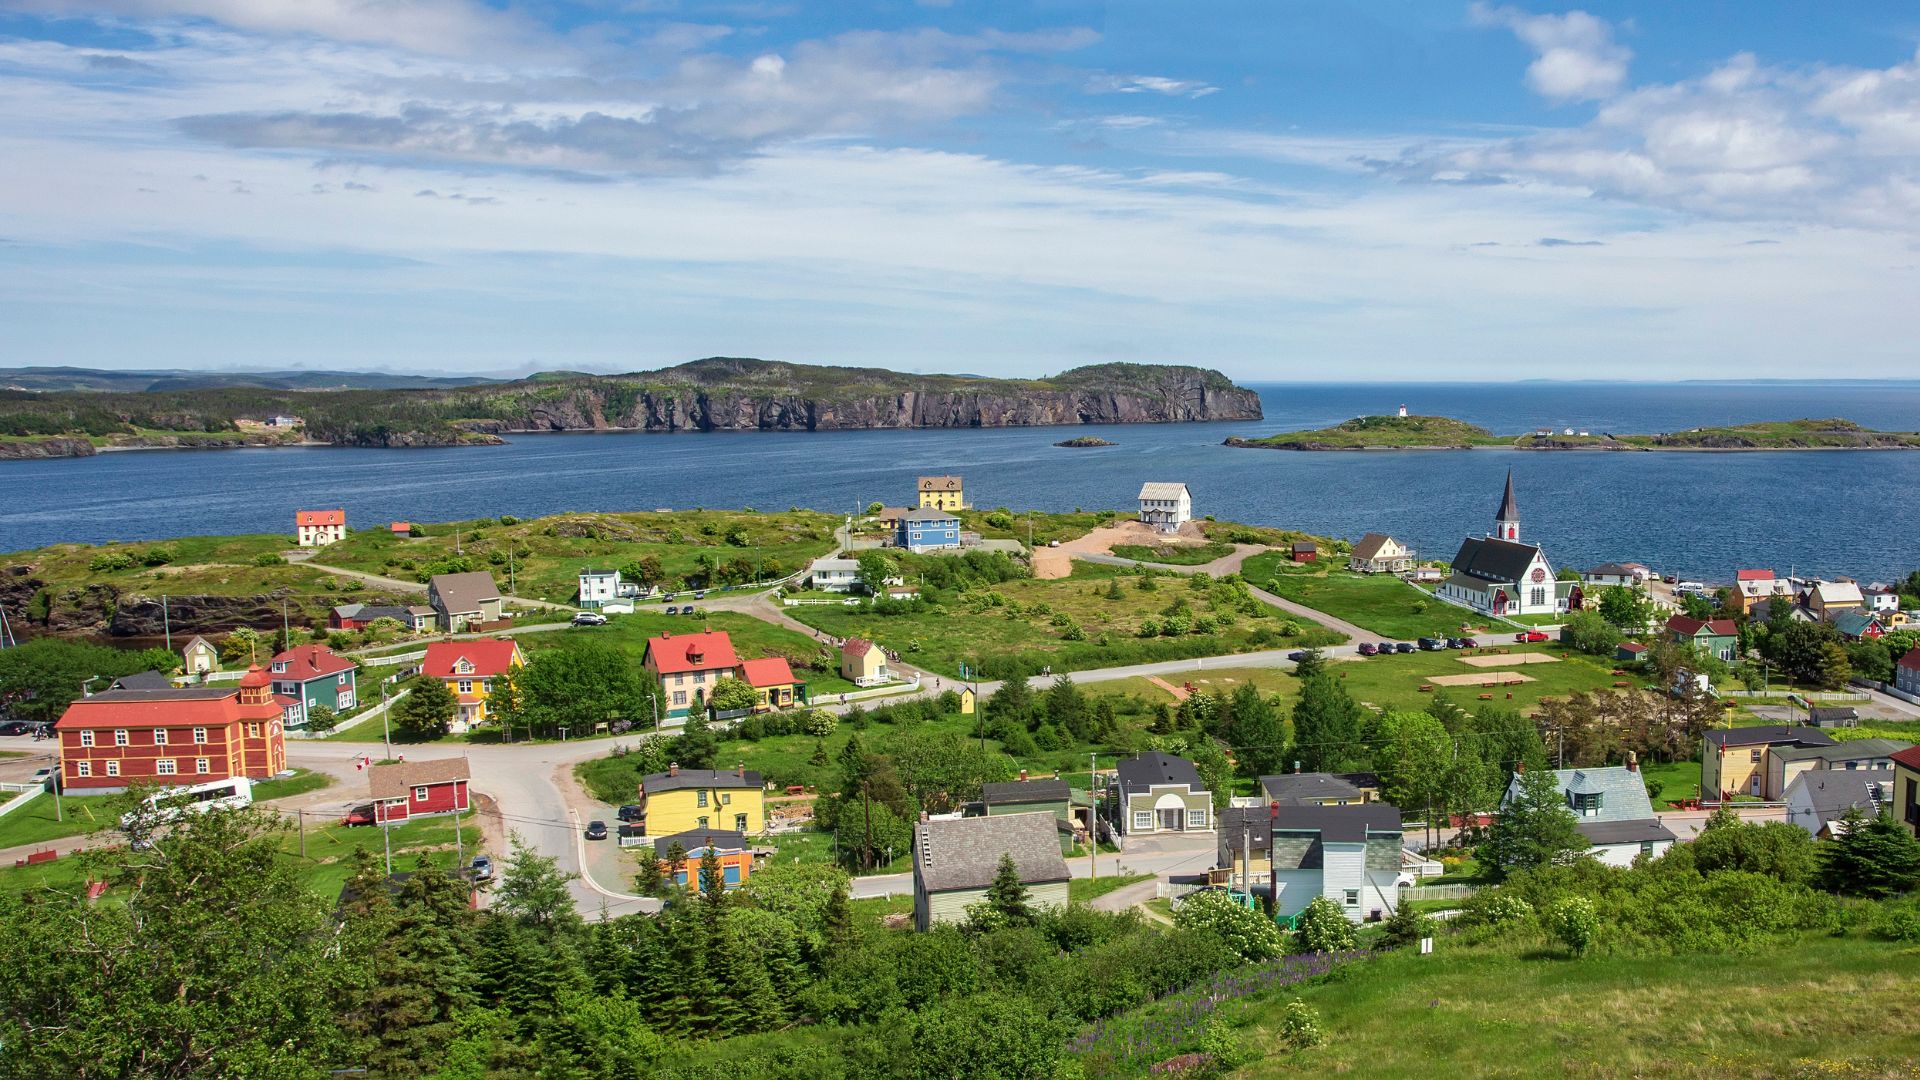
(1323, 927)
(819, 723)
(1572, 921)
(1405, 928)
(267, 558)
(1496, 908)
(1221, 1043)
(1245, 931)
(157, 556)
(1897, 921)
(1300, 1026)
(109, 561)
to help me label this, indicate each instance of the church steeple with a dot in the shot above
(1506, 523)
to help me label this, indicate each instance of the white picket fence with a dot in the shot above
(28, 793)
(1437, 892)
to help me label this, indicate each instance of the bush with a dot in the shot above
(1323, 927)
(1897, 921)
(108, 562)
(819, 723)
(1248, 933)
(1495, 908)
(1300, 1026)
(157, 556)
(1572, 922)
(1405, 928)
(267, 558)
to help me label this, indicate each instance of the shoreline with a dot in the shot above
(1250, 445)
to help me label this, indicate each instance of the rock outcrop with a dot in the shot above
(97, 608)
(51, 447)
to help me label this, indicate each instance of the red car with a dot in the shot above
(359, 815)
(1530, 635)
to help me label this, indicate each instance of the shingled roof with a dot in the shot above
(1141, 773)
(396, 780)
(1489, 559)
(964, 853)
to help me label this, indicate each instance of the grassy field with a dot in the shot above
(1024, 626)
(1174, 554)
(1381, 603)
(300, 783)
(751, 638)
(1383, 432)
(1086, 890)
(1512, 1011)
(35, 824)
(549, 553)
(1045, 526)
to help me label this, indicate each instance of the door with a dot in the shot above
(1171, 820)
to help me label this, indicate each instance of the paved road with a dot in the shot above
(1185, 854)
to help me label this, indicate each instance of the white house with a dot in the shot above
(1818, 800)
(318, 528)
(1165, 507)
(1499, 575)
(1378, 553)
(834, 575)
(1613, 811)
(1348, 854)
(598, 588)
(1631, 575)
(1881, 598)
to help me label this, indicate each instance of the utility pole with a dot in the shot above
(302, 814)
(386, 837)
(1093, 817)
(285, 635)
(1246, 859)
(386, 726)
(459, 842)
(166, 624)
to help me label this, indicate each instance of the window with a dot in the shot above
(739, 823)
(253, 731)
(1587, 803)
(200, 765)
(159, 736)
(1353, 898)
(83, 768)
(703, 821)
(199, 735)
(86, 738)
(679, 697)
(700, 798)
(726, 798)
(113, 768)
(1753, 755)
(679, 678)
(1538, 597)
(1646, 848)
(419, 794)
(466, 686)
(1196, 819)
(164, 766)
(1142, 820)
(120, 738)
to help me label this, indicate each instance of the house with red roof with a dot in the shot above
(1906, 673)
(172, 736)
(864, 663)
(1906, 774)
(312, 675)
(410, 789)
(470, 669)
(688, 665)
(318, 528)
(773, 678)
(1715, 637)
(1752, 586)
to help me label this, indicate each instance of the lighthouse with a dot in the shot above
(1403, 412)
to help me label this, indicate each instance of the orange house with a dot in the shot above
(731, 848)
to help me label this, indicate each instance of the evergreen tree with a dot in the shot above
(819, 758)
(533, 891)
(1066, 708)
(1258, 733)
(648, 879)
(1007, 896)
(713, 885)
(1311, 665)
(1534, 830)
(1326, 727)
(426, 712)
(1873, 857)
(836, 921)
(1013, 702)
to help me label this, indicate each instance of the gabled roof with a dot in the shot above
(320, 517)
(1769, 735)
(940, 483)
(768, 671)
(1838, 592)
(1834, 713)
(1299, 787)
(1633, 646)
(1855, 623)
(928, 513)
(1830, 793)
(397, 780)
(1755, 575)
(588, 571)
(1637, 831)
(678, 779)
(844, 566)
(1622, 791)
(490, 657)
(964, 853)
(310, 662)
(1024, 792)
(1509, 510)
(1691, 627)
(1493, 560)
(856, 646)
(1305, 545)
(674, 654)
(144, 680)
(463, 594)
(1350, 824)
(1143, 772)
(1911, 661)
(1850, 750)
(1370, 545)
(1611, 569)
(196, 643)
(1243, 828)
(1162, 491)
(699, 840)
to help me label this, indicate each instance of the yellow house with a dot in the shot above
(772, 678)
(942, 493)
(470, 669)
(863, 663)
(1736, 761)
(1906, 788)
(680, 800)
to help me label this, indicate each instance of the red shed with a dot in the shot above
(1305, 551)
(410, 789)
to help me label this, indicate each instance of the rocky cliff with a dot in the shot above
(100, 608)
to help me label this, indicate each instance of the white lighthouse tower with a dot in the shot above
(1403, 412)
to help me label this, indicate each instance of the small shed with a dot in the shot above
(1305, 551)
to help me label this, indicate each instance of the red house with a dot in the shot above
(1305, 551)
(172, 736)
(410, 789)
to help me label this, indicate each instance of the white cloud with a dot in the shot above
(1576, 58)
(435, 27)
(1151, 84)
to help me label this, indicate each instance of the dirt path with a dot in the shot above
(1179, 693)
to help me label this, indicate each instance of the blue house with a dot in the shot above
(927, 529)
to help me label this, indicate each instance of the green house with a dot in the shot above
(1715, 637)
(1031, 796)
(308, 676)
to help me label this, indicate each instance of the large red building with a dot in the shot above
(173, 736)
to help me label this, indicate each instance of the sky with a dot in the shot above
(1284, 190)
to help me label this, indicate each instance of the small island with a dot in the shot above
(1445, 433)
(1082, 441)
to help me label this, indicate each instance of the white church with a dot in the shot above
(1499, 575)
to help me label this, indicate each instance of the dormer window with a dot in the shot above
(464, 666)
(1586, 804)
(279, 666)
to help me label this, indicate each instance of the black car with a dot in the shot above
(596, 830)
(1404, 647)
(629, 812)
(16, 727)
(1455, 643)
(1297, 655)
(1432, 644)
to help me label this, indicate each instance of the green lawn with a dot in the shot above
(1381, 603)
(1513, 1010)
(1677, 780)
(301, 782)
(1021, 631)
(1085, 890)
(35, 824)
(1174, 554)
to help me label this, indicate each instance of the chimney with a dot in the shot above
(1273, 810)
(1633, 761)
(1519, 767)
(741, 768)
(1023, 774)
(673, 768)
(923, 816)
(1296, 767)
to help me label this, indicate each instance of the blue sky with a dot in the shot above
(1283, 190)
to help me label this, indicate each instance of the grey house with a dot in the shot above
(1157, 793)
(1786, 764)
(1613, 812)
(1325, 789)
(1349, 854)
(955, 860)
(459, 599)
(1818, 800)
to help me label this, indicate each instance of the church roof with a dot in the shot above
(1494, 560)
(1508, 510)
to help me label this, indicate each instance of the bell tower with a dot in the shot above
(1506, 523)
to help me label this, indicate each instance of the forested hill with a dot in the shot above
(717, 394)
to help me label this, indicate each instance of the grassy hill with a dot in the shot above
(1380, 432)
(1441, 432)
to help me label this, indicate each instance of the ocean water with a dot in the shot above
(1697, 514)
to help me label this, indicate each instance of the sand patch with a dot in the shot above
(1479, 678)
(1509, 661)
(1051, 564)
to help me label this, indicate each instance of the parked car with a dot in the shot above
(1428, 644)
(1455, 643)
(629, 812)
(16, 727)
(359, 815)
(1525, 636)
(1368, 648)
(699, 594)
(1297, 655)
(688, 610)
(482, 868)
(596, 830)
(589, 618)
(1470, 643)
(1404, 647)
